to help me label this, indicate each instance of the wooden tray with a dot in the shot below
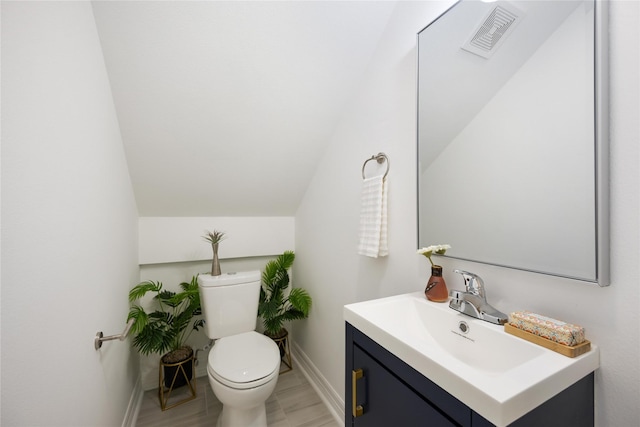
(565, 350)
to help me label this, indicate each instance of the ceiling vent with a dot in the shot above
(493, 30)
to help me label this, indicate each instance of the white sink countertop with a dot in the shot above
(498, 375)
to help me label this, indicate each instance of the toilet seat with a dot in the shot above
(244, 361)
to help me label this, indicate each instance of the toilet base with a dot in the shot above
(243, 407)
(234, 417)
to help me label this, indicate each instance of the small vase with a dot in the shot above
(436, 289)
(215, 264)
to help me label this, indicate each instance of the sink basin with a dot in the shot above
(477, 344)
(498, 375)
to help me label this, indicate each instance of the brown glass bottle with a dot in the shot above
(436, 289)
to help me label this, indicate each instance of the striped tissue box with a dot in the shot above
(546, 327)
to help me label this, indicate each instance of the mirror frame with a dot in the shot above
(601, 145)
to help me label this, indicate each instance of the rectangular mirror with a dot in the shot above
(513, 137)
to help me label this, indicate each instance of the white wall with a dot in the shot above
(179, 239)
(382, 118)
(232, 91)
(69, 223)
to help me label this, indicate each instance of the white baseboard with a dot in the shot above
(333, 401)
(131, 416)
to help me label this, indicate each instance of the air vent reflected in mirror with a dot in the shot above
(494, 29)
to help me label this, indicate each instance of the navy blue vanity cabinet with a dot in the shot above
(389, 393)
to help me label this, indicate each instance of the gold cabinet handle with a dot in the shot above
(357, 409)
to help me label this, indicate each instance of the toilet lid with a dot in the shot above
(244, 358)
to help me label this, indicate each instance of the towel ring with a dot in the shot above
(380, 158)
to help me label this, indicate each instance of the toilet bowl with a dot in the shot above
(243, 365)
(243, 372)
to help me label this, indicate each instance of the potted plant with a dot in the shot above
(166, 328)
(215, 238)
(436, 289)
(277, 307)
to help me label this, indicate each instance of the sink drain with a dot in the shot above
(463, 326)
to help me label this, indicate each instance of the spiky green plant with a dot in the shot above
(169, 325)
(275, 307)
(214, 238)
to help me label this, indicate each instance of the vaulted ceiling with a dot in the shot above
(225, 106)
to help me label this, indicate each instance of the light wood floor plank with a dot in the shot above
(294, 403)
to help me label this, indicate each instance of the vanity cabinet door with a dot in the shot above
(388, 401)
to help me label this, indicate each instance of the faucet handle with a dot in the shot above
(472, 282)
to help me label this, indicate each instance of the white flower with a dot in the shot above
(437, 249)
(433, 249)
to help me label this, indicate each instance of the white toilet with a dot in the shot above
(243, 364)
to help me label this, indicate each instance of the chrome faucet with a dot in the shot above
(473, 301)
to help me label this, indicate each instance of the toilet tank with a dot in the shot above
(229, 302)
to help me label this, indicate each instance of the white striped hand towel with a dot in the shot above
(373, 218)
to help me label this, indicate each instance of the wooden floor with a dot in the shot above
(294, 403)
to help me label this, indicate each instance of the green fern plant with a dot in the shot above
(275, 307)
(171, 322)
